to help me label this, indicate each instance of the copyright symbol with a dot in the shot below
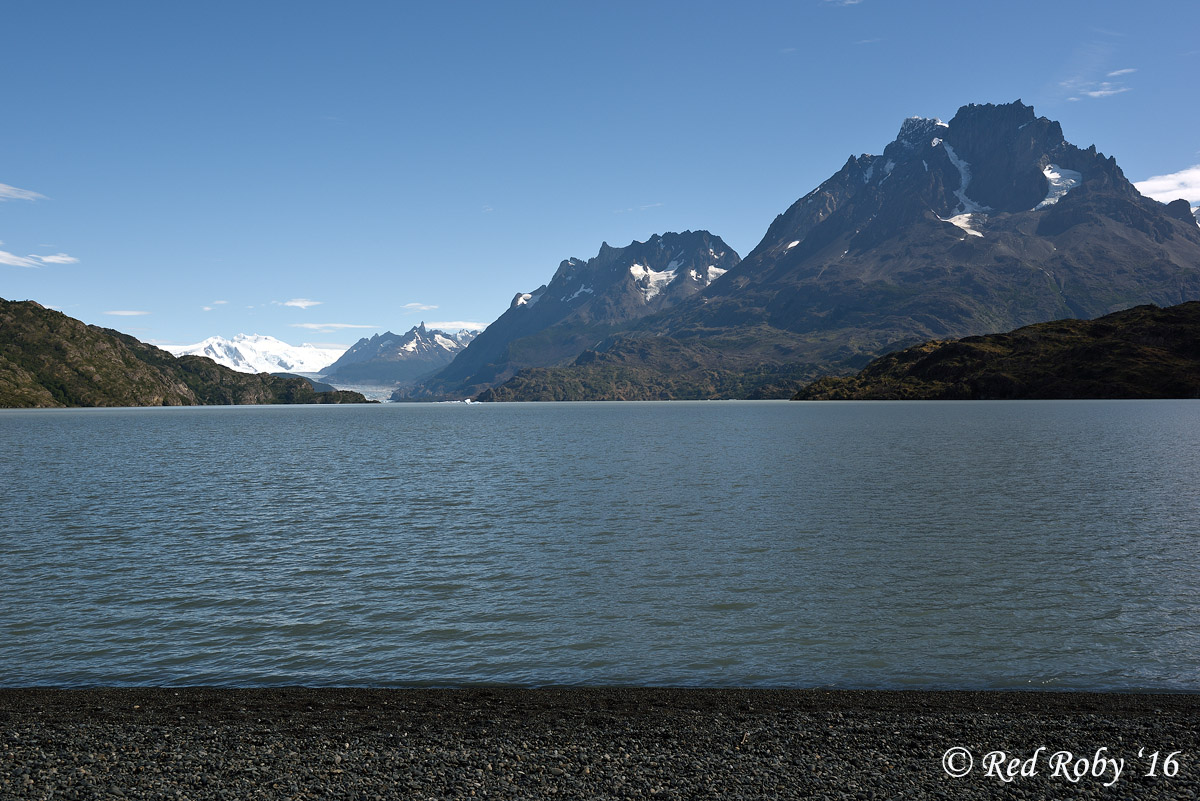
(957, 762)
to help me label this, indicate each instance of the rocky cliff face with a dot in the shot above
(48, 359)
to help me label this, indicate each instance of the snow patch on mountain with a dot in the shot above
(966, 205)
(1061, 181)
(963, 221)
(714, 273)
(528, 298)
(255, 353)
(651, 282)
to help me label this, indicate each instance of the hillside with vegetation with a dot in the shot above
(48, 359)
(1144, 352)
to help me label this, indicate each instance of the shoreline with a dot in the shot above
(588, 742)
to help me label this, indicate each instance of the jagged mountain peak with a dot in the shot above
(646, 272)
(988, 160)
(584, 302)
(389, 358)
(915, 132)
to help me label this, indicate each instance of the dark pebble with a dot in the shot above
(601, 743)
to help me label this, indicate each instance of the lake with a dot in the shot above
(1050, 545)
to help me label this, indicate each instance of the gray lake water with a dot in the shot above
(947, 545)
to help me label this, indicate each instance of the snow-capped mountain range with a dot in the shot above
(390, 359)
(255, 353)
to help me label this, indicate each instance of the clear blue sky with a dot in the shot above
(205, 163)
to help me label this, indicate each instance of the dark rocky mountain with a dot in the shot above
(389, 359)
(983, 224)
(584, 303)
(48, 359)
(1144, 352)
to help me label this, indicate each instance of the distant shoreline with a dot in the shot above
(602, 742)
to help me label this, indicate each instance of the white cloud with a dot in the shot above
(844, 2)
(1117, 73)
(58, 258)
(1105, 89)
(455, 325)
(206, 308)
(14, 260)
(219, 302)
(127, 313)
(418, 307)
(329, 328)
(13, 193)
(1183, 184)
(299, 303)
(32, 260)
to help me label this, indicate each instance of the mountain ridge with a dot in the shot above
(584, 303)
(258, 353)
(982, 224)
(389, 359)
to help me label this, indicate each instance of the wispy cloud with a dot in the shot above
(329, 328)
(455, 325)
(58, 258)
(631, 209)
(415, 307)
(13, 193)
(127, 313)
(488, 209)
(1183, 184)
(1105, 89)
(33, 260)
(868, 41)
(298, 303)
(14, 260)
(1090, 71)
(1077, 88)
(844, 2)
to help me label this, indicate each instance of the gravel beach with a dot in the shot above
(296, 743)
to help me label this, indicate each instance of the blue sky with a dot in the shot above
(324, 171)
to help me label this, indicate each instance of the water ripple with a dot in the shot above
(985, 545)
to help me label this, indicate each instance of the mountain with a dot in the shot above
(983, 224)
(584, 303)
(254, 353)
(1144, 352)
(388, 359)
(48, 359)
